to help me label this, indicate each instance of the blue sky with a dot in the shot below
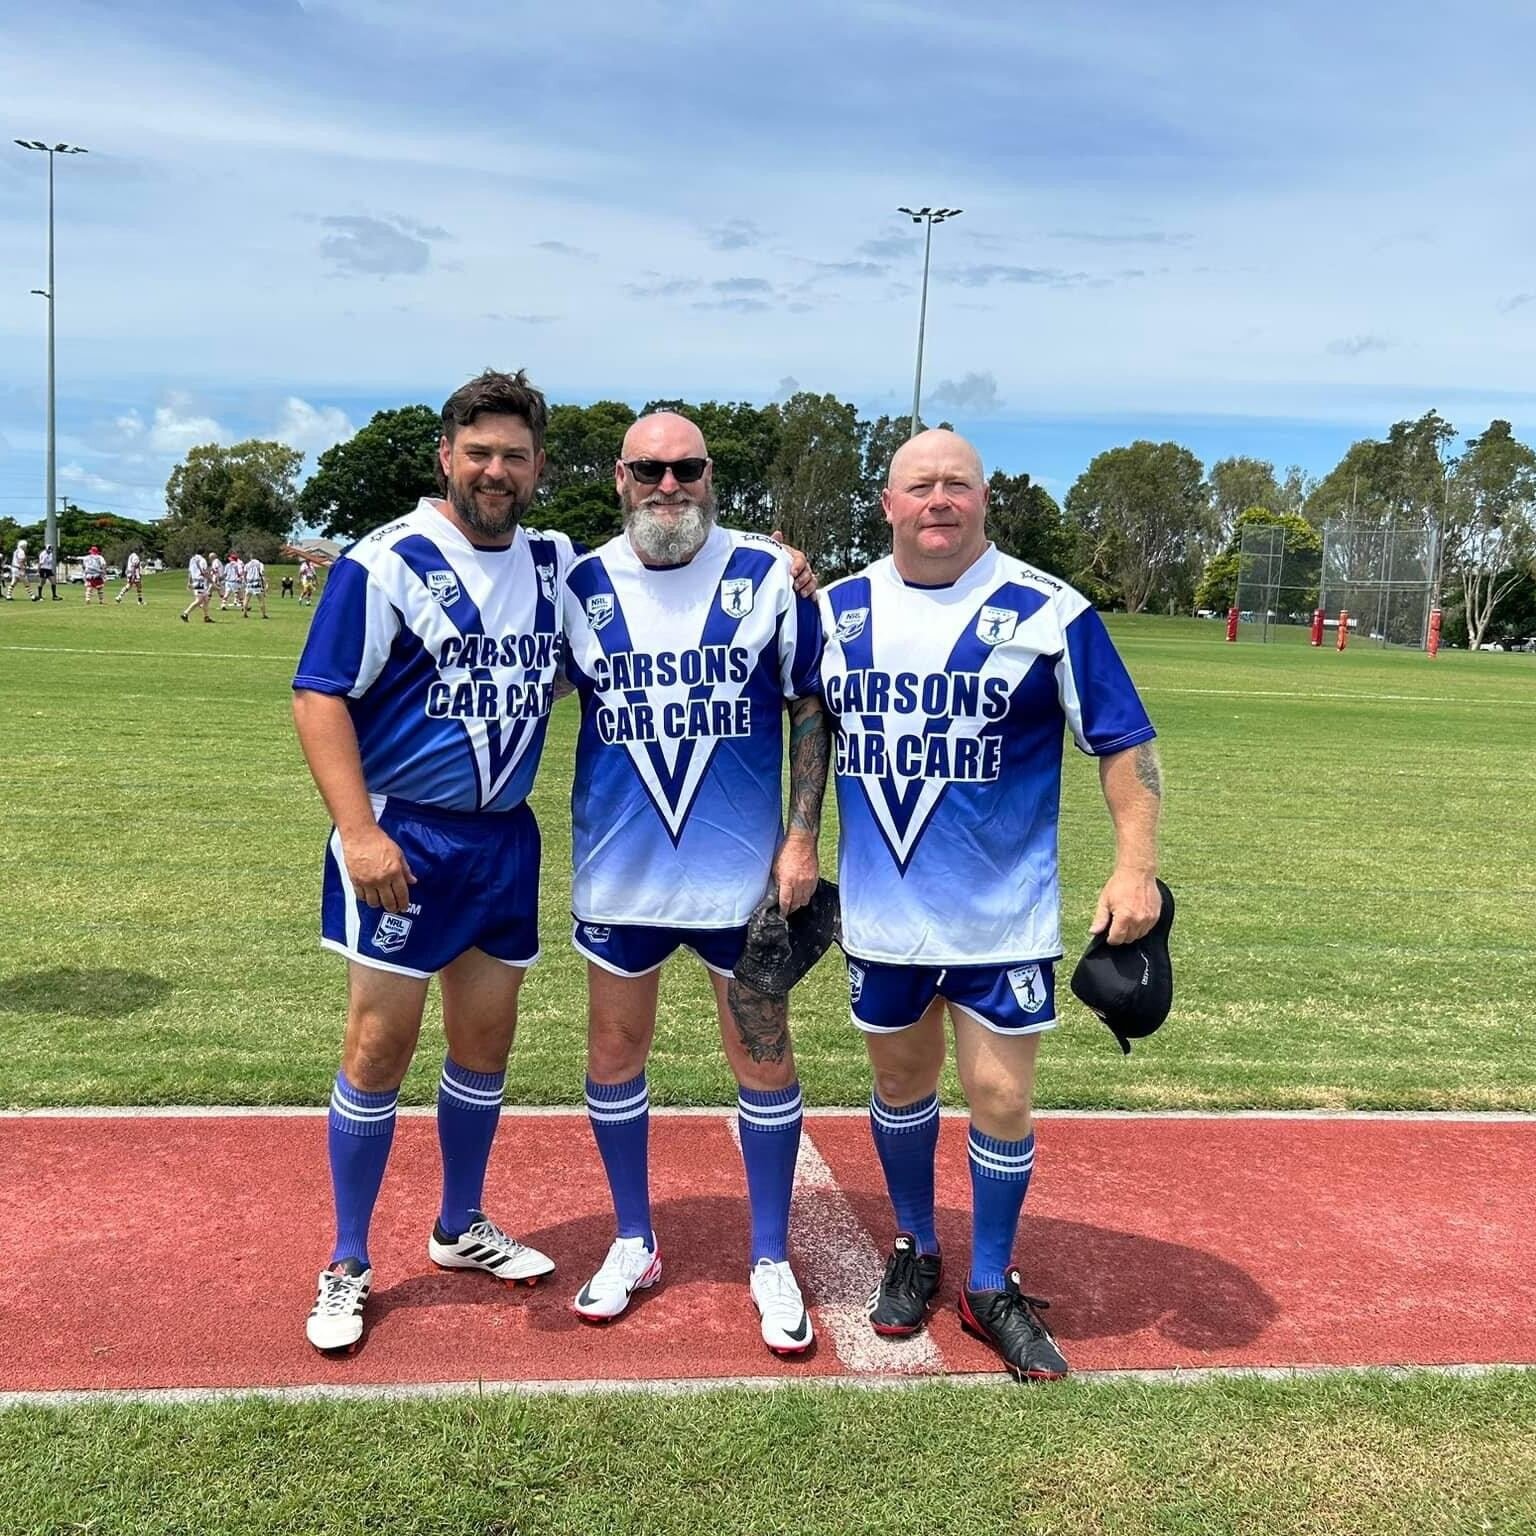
(1268, 232)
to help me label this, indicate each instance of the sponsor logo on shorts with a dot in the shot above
(600, 609)
(1028, 987)
(855, 982)
(596, 934)
(850, 625)
(393, 930)
(443, 587)
(736, 596)
(996, 625)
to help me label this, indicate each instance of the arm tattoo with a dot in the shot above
(1149, 772)
(808, 752)
(761, 1021)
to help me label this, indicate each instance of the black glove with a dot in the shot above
(780, 950)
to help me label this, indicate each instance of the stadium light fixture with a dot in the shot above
(51, 517)
(928, 217)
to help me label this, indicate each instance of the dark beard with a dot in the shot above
(473, 517)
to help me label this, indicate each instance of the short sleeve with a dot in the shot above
(351, 634)
(1103, 709)
(800, 637)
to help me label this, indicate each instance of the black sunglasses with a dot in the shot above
(653, 471)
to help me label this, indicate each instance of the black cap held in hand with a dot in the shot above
(1129, 986)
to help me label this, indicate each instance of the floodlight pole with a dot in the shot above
(928, 217)
(51, 519)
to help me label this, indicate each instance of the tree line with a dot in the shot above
(1145, 527)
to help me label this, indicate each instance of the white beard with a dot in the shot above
(673, 542)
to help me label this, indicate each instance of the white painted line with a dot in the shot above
(821, 1111)
(90, 650)
(694, 1386)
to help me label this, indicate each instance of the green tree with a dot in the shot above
(1238, 483)
(250, 485)
(1025, 521)
(1490, 523)
(1140, 512)
(582, 443)
(815, 480)
(184, 539)
(589, 514)
(742, 440)
(375, 476)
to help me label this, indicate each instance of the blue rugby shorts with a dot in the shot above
(477, 887)
(1014, 999)
(636, 949)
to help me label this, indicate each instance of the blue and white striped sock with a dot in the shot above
(359, 1132)
(907, 1139)
(620, 1114)
(468, 1109)
(999, 1181)
(769, 1121)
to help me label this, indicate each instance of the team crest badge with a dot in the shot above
(995, 625)
(736, 596)
(599, 609)
(443, 587)
(393, 930)
(855, 982)
(546, 581)
(850, 625)
(1028, 987)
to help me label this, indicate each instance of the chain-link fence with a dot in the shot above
(1383, 576)
(1277, 578)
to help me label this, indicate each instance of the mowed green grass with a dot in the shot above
(1350, 837)
(1362, 1456)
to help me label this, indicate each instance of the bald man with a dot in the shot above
(949, 672)
(686, 643)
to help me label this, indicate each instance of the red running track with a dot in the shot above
(140, 1253)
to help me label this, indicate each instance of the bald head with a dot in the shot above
(664, 435)
(936, 446)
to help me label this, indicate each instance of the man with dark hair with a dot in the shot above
(421, 700)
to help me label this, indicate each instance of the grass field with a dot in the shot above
(1350, 837)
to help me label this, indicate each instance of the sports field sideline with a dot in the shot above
(1350, 838)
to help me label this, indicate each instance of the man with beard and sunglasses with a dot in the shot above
(422, 700)
(685, 643)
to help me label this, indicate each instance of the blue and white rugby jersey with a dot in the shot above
(948, 705)
(683, 672)
(447, 655)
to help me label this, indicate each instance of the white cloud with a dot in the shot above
(312, 429)
(175, 429)
(975, 394)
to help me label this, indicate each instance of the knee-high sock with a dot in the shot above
(359, 1132)
(907, 1139)
(769, 1121)
(999, 1181)
(620, 1114)
(468, 1108)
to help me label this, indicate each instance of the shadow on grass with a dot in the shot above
(93, 994)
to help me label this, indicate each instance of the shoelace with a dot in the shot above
(625, 1263)
(901, 1276)
(488, 1232)
(779, 1289)
(338, 1294)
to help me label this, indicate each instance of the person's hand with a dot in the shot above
(380, 873)
(800, 570)
(796, 868)
(1129, 906)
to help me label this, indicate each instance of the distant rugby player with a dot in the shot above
(422, 699)
(133, 577)
(686, 642)
(16, 572)
(306, 582)
(253, 585)
(94, 568)
(234, 581)
(197, 584)
(215, 574)
(950, 671)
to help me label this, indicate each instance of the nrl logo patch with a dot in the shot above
(443, 587)
(1028, 987)
(855, 983)
(600, 609)
(736, 596)
(850, 625)
(595, 934)
(393, 930)
(546, 581)
(995, 625)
